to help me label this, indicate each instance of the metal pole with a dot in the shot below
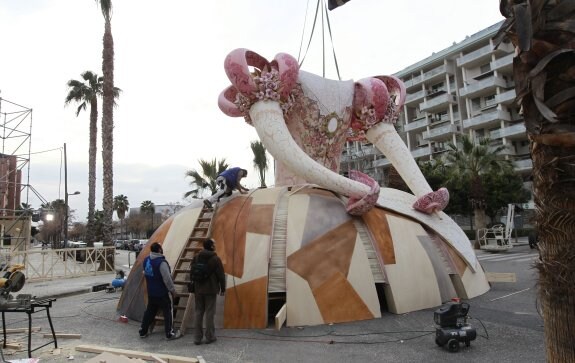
(65, 198)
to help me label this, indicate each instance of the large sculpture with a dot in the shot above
(332, 248)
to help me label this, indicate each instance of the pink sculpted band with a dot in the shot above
(269, 80)
(433, 201)
(357, 206)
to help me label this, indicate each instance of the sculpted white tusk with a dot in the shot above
(267, 118)
(386, 139)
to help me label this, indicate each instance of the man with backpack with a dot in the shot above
(207, 275)
(160, 286)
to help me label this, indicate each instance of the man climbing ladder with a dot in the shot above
(227, 181)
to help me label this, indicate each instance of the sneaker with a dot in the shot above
(207, 203)
(210, 341)
(198, 343)
(143, 335)
(175, 336)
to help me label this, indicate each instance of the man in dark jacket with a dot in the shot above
(160, 286)
(206, 291)
(227, 181)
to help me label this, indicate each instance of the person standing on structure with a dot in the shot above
(227, 181)
(207, 274)
(160, 286)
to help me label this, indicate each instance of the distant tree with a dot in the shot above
(53, 217)
(207, 179)
(505, 187)
(470, 161)
(260, 161)
(85, 93)
(148, 208)
(121, 206)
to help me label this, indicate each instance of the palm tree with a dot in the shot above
(87, 92)
(207, 179)
(260, 160)
(108, 121)
(147, 207)
(470, 161)
(543, 33)
(121, 206)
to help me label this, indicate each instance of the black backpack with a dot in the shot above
(200, 271)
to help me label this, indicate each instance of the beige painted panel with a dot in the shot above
(401, 202)
(412, 277)
(255, 259)
(266, 195)
(301, 306)
(475, 284)
(297, 214)
(361, 278)
(179, 233)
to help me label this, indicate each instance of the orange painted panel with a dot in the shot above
(328, 254)
(229, 232)
(261, 219)
(376, 221)
(246, 305)
(160, 233)
(339, 302)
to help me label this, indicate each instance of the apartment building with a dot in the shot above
(467, 88)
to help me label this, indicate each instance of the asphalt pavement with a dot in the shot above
(506, 318)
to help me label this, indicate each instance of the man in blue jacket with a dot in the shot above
(160, 286)
(227, 181)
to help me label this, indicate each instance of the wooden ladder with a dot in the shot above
(183, 304)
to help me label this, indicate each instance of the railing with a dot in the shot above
(480, 53)
(415, 96)
(416, 125)
(482, 86)
(49, 264)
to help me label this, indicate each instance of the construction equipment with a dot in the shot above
(498, 237)
(453, 327)
(12, 280)
(183, 303)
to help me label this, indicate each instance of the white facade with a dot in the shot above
(467, 88)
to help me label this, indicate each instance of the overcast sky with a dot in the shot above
(169, 63)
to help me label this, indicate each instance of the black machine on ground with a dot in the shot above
(453, 328)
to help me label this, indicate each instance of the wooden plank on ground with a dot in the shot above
(106, 357)
(501, 276)
(134, 353)
(281, 317)
(63, 335)
(21, 330)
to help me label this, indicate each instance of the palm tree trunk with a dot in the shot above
(92, 150)
(107, 133)
(555, 216)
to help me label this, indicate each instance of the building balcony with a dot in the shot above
(476, 57)
(506, 97)
(441, 133)
(420, 152)
(523, 165)
(416, 125)
(484, 86)
(413, 97)
(504, 64)
(438, 103)
(517, 131)
(486, 119)
(437, 73)
(413, 81)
